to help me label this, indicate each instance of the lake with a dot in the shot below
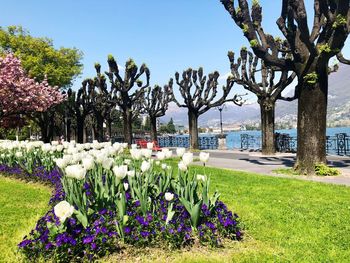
(233, 139)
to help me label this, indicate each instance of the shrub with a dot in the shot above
(322, 169)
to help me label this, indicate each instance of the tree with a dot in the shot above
(171, 127)
(41, 60)
(267, 91)
(128, 101)
(201, 99)
(307, 54)
(20, 94)
(79, 105)
(155, 104)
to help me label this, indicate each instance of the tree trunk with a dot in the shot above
(127, 126)
(51, 126)
(99, 128)
(69, 122)
(312, 121)
(153, 123)
(80, 129)
(86, 134)
(43, 131)
(44, 125)
(267, 111)
(109, 128)
(193, 129)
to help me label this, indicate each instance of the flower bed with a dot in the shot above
(104, 198)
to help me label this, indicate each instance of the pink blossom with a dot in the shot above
(21, 94)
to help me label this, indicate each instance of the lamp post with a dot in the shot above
(220, 109)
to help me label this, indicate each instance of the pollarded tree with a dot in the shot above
(155, 104)
(199, 95)
(79, 105)
(308, 55)
(265, 88)
(127, 92)
(102, 103)
(20, 94)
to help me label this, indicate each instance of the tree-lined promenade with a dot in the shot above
(104, 180)
(116, 101)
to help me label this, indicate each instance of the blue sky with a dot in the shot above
(167, 35)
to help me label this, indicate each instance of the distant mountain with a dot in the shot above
(286, 112)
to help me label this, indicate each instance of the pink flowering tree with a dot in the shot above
(20, 94)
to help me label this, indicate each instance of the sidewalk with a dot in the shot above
(255, 162)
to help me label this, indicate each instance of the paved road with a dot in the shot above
(257, 163)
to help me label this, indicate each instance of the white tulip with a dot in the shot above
(54, 143)
(75, 171)
(30, 146)
(131, 173)
(59, 148)
(120, 171)
(161, 155)
(126, 186)
(19, 154)
(182, 166)
(107, 163)
(67, 158)
(146, 153)
(87, 146)
(168, 154)
(53, 148)
(124, 145)
(63, 210)
(180, 151)
(80, 147)
(136, 154)
(200, 177)
(88, 163)
(72, 150)
(169, 196)
(187, 158)
(127, 161)
(150, 145)
(203, 157)
(61, 163)
(145, 166)
(76, 158)
(134, 146)
(164, 166)
(100, 157)
(46, 147)
(157, 162)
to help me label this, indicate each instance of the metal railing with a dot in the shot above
(338, 144)
(205, 142)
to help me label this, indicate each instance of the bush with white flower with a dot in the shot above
(110, 198)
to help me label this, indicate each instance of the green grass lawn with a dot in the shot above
(286, 220)
(21, 205)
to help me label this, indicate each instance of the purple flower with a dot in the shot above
(93, 246)
(127, 230)
(24, 243)
(48, 246)
(103, 211)
(88, 239)
(144, 234)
